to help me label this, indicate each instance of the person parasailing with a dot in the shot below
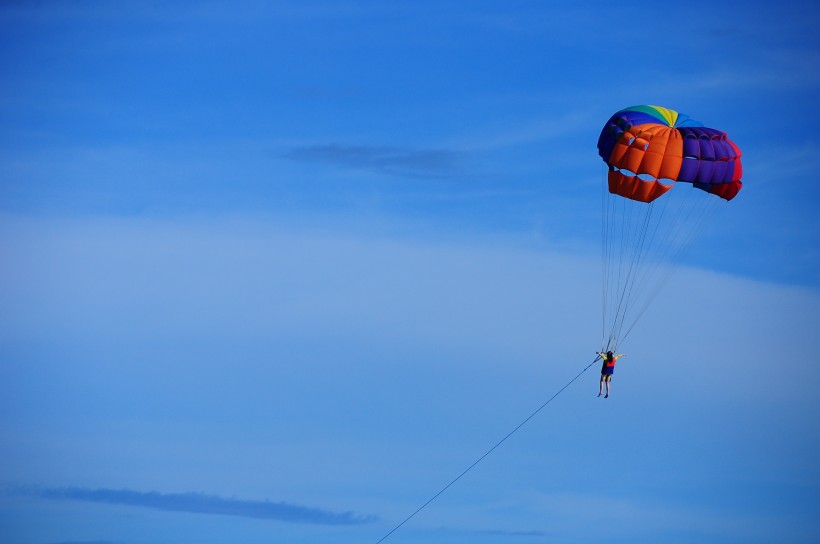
(607, 369)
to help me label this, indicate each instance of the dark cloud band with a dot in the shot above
(199, 503)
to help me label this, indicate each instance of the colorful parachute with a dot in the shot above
(648, 148)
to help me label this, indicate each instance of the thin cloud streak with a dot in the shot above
(502, 532)
(516, 533)
(84, 542)
(198, 503)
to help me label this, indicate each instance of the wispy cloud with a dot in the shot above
(509, 533)
(84, 542)
(197, 503)
(502, 532)
(394, 161)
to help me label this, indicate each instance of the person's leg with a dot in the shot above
(601, 386)
(608, 379)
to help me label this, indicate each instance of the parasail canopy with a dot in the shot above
(649, 148)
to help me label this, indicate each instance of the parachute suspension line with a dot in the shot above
(637, 253)
(646, 248)
(615, 278)
(697, 220)
(610, 270)
(614, 236)
(677, 240)
(488, 452)
(671, 232)
(636, 220)
(609, 241)
(647, 272)
(604, 253)
(640, 222)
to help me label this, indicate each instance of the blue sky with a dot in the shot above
(280, 271)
